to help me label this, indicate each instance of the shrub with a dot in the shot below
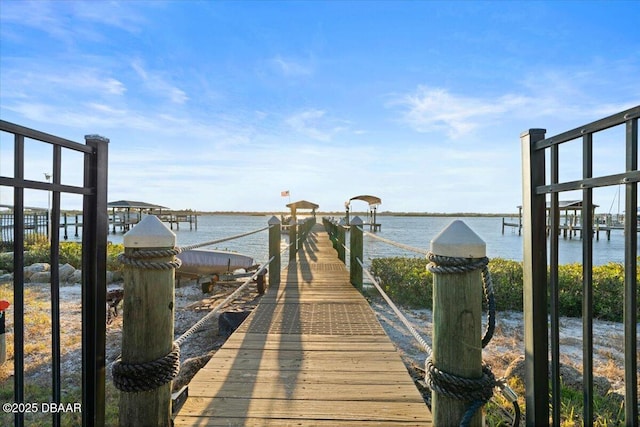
(38, 250)
(405, 280)
(507, 283)
(408, 283)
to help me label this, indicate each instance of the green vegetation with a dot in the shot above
(37, 249)
(407, 282)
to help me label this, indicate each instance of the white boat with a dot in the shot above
(210, 261)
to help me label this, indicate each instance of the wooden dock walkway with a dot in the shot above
(311, 354)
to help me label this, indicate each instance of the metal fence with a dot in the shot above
(541, 284)
(94, 245)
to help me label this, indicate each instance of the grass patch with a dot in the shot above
(37, 361)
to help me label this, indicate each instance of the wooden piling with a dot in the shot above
(356, 252)
(274, 251)
(341, 241)
(457, 313)
(293, 235)
(148, 317)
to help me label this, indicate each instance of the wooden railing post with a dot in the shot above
(341, 241)
(274, 251)
(293, 238)
(457, 312)
(356, 252)
(332, 234)
(148, 318)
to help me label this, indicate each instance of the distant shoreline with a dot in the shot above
(385, 213)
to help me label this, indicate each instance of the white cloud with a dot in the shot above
(316, 125)
(436, 109)
(158, 85)
(290, 67)
(558, 95)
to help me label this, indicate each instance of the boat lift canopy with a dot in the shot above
(373, 202)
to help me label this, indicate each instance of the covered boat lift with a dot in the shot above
(127, 213)
(373, 202)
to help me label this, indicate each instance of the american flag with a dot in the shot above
(284, 193)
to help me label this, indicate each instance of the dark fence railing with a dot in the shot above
(541, 284)
(94, 246)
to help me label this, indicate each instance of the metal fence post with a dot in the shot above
(457, 319)
(355, 252)
(274, 251)
(148, 319)
(534, 282)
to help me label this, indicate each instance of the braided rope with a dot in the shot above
(455, 387)
(137, 377)
(138, 259)
(214, 242)
(199, 324)
(396, 244)
(149, 265)
(154, 253)
(454, 265)
(423, 344)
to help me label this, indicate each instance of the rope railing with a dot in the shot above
(199, 324)
(416, 335)
(225, 239)
(396, 244)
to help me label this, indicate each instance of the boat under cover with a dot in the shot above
(211, 261)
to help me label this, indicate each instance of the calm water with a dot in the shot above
(413, 231)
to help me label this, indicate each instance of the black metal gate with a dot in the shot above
(94, 244)
(541, 286)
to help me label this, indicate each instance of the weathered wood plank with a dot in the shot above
(354, 364)
(290, 388)
(287, 422)
(302, 377)
(306, 409)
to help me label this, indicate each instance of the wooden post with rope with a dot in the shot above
(356, 252)
(274, 251)
(457, 323)
(148, 319)
(293, 235)
(341, 241)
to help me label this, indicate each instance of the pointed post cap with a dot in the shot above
(342, 222)
(273, 220)
(356, 221)
(458, 240)
(150, 233)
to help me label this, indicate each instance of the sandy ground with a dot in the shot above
(507, 345)
(191, 305)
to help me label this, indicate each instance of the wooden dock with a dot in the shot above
(311, 354)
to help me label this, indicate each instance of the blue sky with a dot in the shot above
(223, 105)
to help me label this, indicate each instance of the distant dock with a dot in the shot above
(571, 226)
(38, 223)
